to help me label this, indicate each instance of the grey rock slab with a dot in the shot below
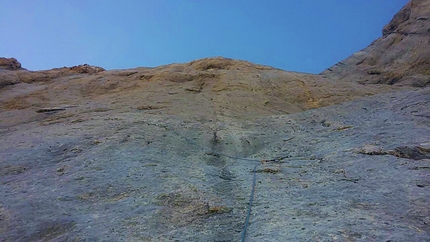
(136, 176)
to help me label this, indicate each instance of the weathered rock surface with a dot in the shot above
(85, 68)
(6, 76)
(9, 64)
(14, 74)
(167, 154)
(400, 57)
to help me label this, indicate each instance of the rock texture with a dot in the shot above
(85, 68)
(12, 73)
(9, 64)
(400, 57)
(167, 153)
(7, 77)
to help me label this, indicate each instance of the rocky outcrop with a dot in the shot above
(85, 68)
(400, 18)
(12, 73)
(400, 57)
(10, 64)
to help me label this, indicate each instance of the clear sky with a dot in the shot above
(296, 35)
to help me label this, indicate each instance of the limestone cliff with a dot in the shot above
(400, 57)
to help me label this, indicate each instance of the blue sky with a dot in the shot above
(295, 35)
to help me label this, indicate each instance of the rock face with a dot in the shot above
(168, 153)
(400, 57)
(9, 64)
(400, 20)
